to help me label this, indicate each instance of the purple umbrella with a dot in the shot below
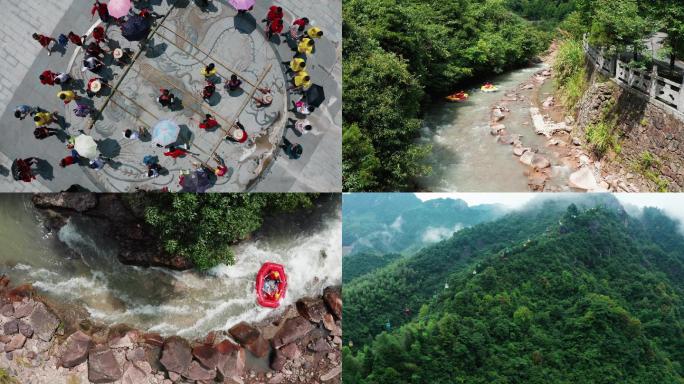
(242, 5)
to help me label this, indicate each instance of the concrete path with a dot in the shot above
(188, 39)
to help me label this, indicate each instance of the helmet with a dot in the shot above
(276, 274)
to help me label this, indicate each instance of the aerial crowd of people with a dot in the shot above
(100, 52)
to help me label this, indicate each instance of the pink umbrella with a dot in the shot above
(119, 8)
(242, 5)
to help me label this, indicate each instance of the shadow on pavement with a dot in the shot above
(45, 170)
(109, 147)
(245, 23)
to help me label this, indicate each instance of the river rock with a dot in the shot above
(497, 115)
(519, 150)
(232, 364)
(312, 309)
(505, 139)
(43, 322)
(7, 310)
(103, 366)
(137, 354)
(207, 355)
(23, 309)
(250, 338)
(25, 329)
(320, 345)
(549, 102)
(584, 179)
(278, 361)
(153, 356)
(495, 128)
(121, 342)
(291, 351)
(176, 355)
(226, 347)
(11, 327)
(198, 373)
(15, 343)
(75, 350)
(133, 375)
(154, 339)
(333, 373)
(293, 329)
(333, 299)
(527, 86)
(540, 162)
(526, 158)
(329, 322)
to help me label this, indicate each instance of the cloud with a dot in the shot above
(435, 234)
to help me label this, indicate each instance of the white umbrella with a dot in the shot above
(86, 146)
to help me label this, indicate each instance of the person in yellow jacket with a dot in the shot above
(305, 46)
(296, 65)
(43, 118)
(209, 71)
(301, 80)
(314, 33)
(67, 96)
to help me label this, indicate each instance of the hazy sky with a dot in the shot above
(673, 203)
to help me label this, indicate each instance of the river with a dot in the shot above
(78, 265)
(466, 157)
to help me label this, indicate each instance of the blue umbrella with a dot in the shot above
(165, 132)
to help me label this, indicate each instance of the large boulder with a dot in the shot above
(584, 179)
(250, 338)
(7, 310)
(10, 328)
(290, 351)
(43, 322)
(133, 375)
(333, 299)
(278, 361)
(207, 355)
(76, 201)
(23, 309)
(75, 350)
(198, 373)
(312, 309)
(293, 329)
(176, 355)
(232, 364)
(103, 366)
(333, 373)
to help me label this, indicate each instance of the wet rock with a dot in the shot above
(153, 356)
(76, 201)
(75, 350)
(576, 141)
(293, 329)
(540, 162)
(154, 339)
(174, 377)
(549, 102)
(329, 322)
(25, 329)
(526, 158)
(505, 139)
(137, 354)
(279, 360)
(226, 347)
(497, 115)
(332, 374)
(527, 86)
(198, 373)
(250, 338)
(519, 151)
(496, 128)
(208, 356)
(176, 355)
(15, 343)
(121, 342)
(232, 364)
(333, 299)
(43, 322)
(103, 366)
(7, 310)
(11, 327)
(312, 309)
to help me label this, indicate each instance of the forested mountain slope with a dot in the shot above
(593, 297)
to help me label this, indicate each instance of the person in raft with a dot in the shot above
(272, 284)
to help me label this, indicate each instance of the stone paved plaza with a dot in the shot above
(185, 40)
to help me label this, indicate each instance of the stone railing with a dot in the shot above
(660, 91)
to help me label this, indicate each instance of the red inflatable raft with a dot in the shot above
(271, 272)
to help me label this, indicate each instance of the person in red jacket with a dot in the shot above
(46, 42)
(76, 39)
(274, 28)
(274, 13)
(209, 122)
(99, 34)
(102, 11)
(175, 152)
(47, 77)
(67, 161)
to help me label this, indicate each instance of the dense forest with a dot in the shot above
(400, 222)
(397, 52)
(202, 227)
(560, 292)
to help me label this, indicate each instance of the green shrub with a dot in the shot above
(5, 378)
(602, 139)
(570, 72)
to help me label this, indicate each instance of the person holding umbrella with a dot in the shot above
(102, 11)
(165, 133)
(166, 98)
(242, 6)
(22, 169)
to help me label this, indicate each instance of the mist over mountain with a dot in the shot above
(565, 289)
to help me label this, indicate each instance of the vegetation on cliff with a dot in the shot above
(550, 295)
(397, 52)
(202, 227)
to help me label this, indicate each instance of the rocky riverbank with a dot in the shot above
(43, 344)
